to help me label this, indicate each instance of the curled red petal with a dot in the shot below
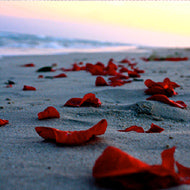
(72, 137)
(123, 69)
(114, 162)
(133, 128)
(73, 102)
(155, 129)
(29, 65)
(116, 82)
(49, 112)
(184, 173)
(90, 100)
(47, 133)
(168, 160)
(133, 74)
(100, 81)
(62, 75)
(116, 166)
(149, 83)
(166, 100)
(3, 122)
(29, 88)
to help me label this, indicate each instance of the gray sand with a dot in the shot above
(29, 162)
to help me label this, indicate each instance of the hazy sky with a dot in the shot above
(143, 22)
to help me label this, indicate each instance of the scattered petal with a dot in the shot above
(155, 129)
(166, 87)
(49, 112)
(29, 65)
(40, 76)
(62, 75)
(166, 100)
(184, 173)
(133, 128)
(100, 81)
(3, 122)
(133, 74)
(115, 167)
(72, 137)
(87, 101)
(29, 88)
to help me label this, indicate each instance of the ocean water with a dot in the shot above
(27, 44)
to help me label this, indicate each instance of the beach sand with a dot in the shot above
(29, 162)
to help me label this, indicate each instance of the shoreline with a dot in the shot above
(28, 162)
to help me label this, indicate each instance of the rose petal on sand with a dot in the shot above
(100, 81)
(9, 86)
(166, 100)
(184, 173)
(115, 167)
(29, 65)
(155, 129)
(123, 69)
(90, 100)
(29, 88)
(133, 128)
(73, 102)
(62, 75)
(166, 87)
(87, 101)
(139, 70)
(40, 76)
(3, 122)
(49, 112)
(133, 74)
(72, 137)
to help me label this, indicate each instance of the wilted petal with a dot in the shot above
(49, 112)
(72, 137)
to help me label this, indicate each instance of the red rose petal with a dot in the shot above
(9, 86)
(114, 162)
(168, 160)
(29, 88)
(62, 75)
(40, 76)
(49, 112)
(29, 65)
(72, 137)
(128, 172)
(47, 133)
(73, 102)
(166, 87)
(133, 74)
(166, 100)
(133, 128)
(138, 70)
(123, 69)
(100, 81)
(155, 129)
(88, 100)
(3, 122)
(184, 173)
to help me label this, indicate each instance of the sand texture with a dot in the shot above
(28, 162)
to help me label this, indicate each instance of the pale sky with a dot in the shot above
(144, 22)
